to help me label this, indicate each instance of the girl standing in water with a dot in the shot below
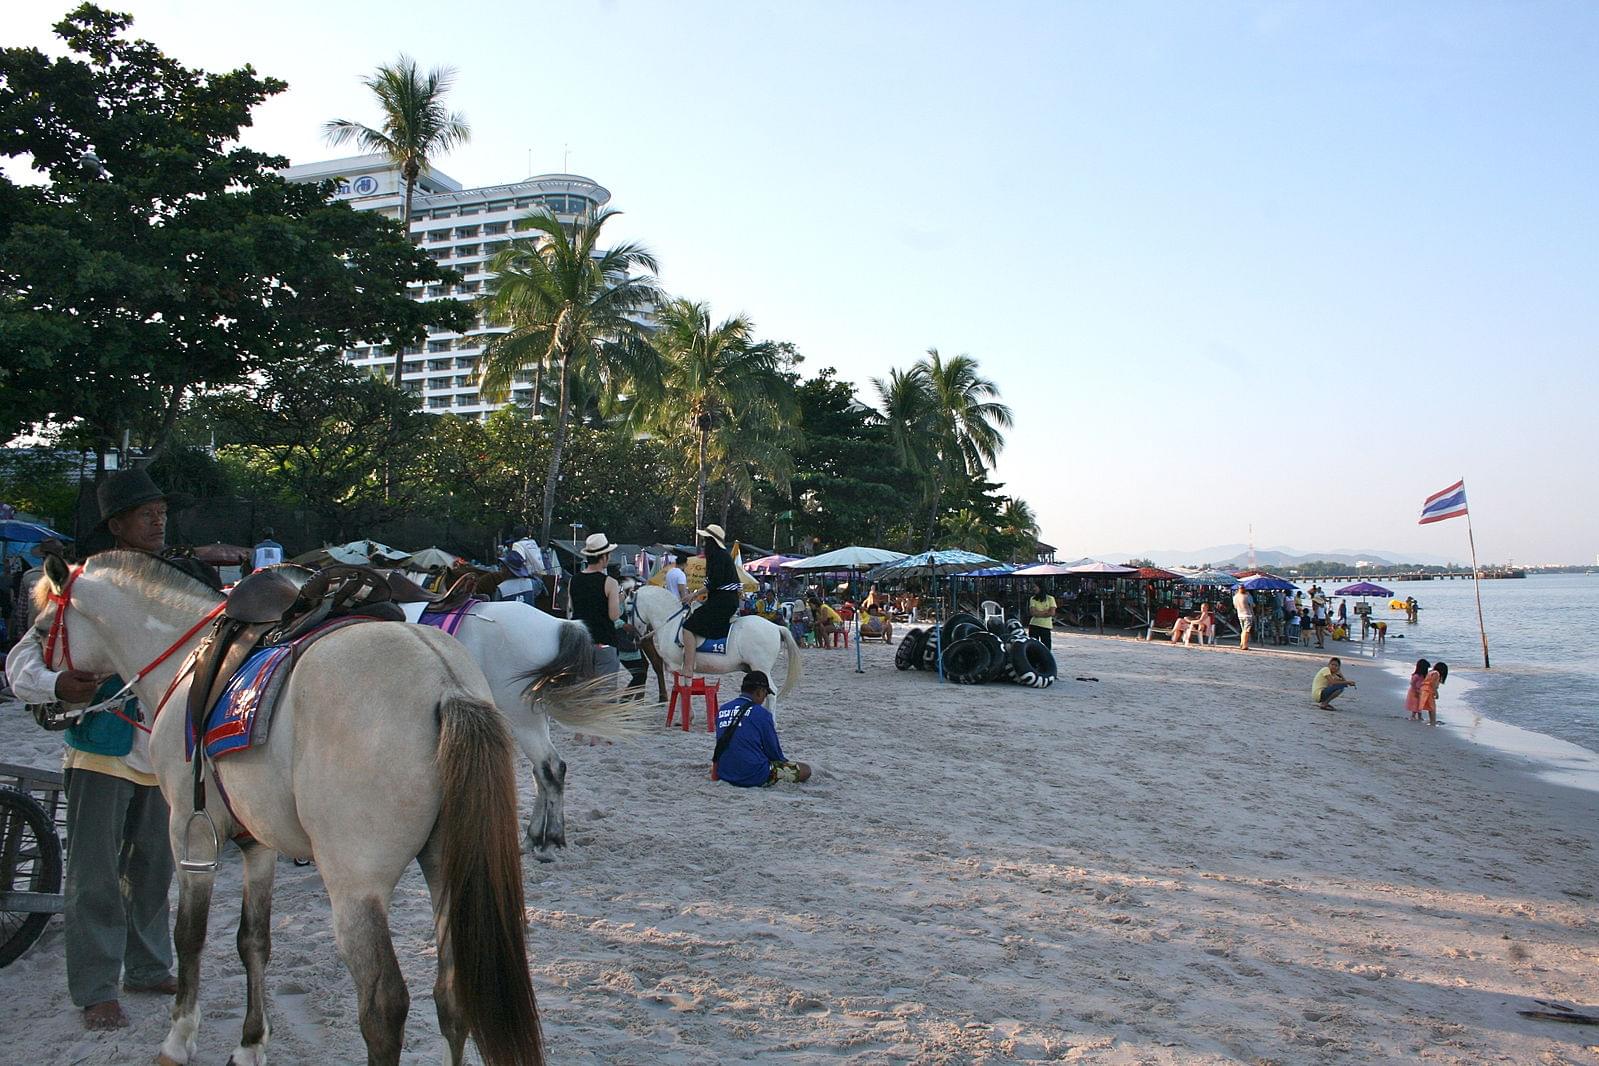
(1413, 697)
(1429, 690)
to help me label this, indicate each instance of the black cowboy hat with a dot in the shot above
(127, 489)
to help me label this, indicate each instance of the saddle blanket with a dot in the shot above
(449, 621)
(708, 646)
(242, 715)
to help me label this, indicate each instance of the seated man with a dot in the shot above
(877, 623)
(828, 621)
(800, 622)
(748, 753)
(1330, 683)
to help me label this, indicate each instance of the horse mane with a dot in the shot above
(153, 576)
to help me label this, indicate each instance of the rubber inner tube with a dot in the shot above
(928, 659)
(1018, 667)
(965, 631)
(956, 619)
(1000, 627)
(1040, 659)
(996, 656)
(909, 652)
(966, 662)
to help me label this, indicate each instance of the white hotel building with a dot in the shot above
(461, 229)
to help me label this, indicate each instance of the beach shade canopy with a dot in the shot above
(1155, 573)
(1002, 570)
(933, 564)
(769, 564)
(428, 558)
(20, 532)
(1094, 567)
(1363, 588)
(1042, 570)
(1210, 577)
(333, 553)
(855, 557)
(1268, 583)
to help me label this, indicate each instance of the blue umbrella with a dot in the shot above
(1268, 583)
(27, 532)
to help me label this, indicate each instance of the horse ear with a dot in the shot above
(56, 572)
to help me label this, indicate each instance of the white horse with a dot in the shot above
(529, 657)
(753, 643)
(384, 748)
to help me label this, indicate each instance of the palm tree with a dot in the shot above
(573, 307)
(759, 446)
(712, 376)
(1019, 525)
(969, 530)
(415, 128)
(965, 418)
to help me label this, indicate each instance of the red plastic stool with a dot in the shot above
(698, 686)
(841, 633)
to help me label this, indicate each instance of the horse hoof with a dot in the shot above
(542, 854)
(163, 1059)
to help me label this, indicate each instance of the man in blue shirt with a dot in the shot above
(748, 753)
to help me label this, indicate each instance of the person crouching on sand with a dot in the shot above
(1329, 684)
(1413, 696)
(748, 753)
(1429, 690)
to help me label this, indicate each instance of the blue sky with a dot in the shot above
(1293, 266)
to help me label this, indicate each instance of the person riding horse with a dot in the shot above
(713, 618)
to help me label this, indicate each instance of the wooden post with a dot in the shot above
(1476, 577)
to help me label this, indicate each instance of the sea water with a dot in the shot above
(1543, 643)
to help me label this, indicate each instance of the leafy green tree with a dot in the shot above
(158, 258)
(957, 416)
(415, 127)
(713, 377)
(568, 302)
(969, 530)
(1018, 530)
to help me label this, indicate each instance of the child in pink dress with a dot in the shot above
(1429, 690)
(1413, 697)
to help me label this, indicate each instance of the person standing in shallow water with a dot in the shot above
(1429, 690)
(715, 616)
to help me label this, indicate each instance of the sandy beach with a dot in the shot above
(1181, 861)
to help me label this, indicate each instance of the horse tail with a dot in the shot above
(482, 864)
(591, 707)
(795, 668)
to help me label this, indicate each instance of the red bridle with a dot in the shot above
(58, 633)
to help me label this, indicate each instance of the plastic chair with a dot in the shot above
(697, 686)
(991, 609)
(841, 633)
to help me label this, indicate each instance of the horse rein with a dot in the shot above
(632, 618)
(58, 632)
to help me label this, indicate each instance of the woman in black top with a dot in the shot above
(715, 616)
(596, 599)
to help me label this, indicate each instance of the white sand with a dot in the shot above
(1184, 862)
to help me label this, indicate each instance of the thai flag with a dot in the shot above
(1450, 503)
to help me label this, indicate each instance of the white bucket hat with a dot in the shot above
(715, 532)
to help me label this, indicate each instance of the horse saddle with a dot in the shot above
(403, 590)
(712, 646)
(275, 607)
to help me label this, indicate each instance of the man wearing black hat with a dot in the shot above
(748, 753)
(119, 868)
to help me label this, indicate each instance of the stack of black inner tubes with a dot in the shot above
(974, 653)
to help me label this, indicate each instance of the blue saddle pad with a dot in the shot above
(713, 646)
(231, 725)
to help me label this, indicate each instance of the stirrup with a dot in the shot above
(201, 866)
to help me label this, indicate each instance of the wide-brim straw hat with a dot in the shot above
(715, 532)
(596, 545)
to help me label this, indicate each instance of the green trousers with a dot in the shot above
(119, 868)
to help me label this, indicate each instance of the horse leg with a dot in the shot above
(188, 936)
(546, 824)
(451, 1022)
(255, 948)
(361, 927)
(653, 655)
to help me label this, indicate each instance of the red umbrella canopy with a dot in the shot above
(1155, 573)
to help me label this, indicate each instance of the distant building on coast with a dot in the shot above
(462, 229)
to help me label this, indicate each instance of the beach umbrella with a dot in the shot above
(948, 562)
(1268, 583)
(428, 558)
(1155, 573)
(854, 557)
(1210, 577)
(1002, 570)
(1095, 568)
(20, 532)
(1043, 570)
(1363, 588)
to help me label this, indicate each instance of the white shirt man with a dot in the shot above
(1246, 617)
(676, 580)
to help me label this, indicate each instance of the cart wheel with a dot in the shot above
(30, 861)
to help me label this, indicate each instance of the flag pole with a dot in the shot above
(1476, 577)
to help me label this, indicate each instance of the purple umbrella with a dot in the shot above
(1363, 588)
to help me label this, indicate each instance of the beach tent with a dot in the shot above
(20, 532)
(1363, 588)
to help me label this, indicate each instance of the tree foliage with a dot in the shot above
(158, 256)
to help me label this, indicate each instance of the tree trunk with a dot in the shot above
(932, 515)
(699, 489)
(727, 505)
(557, 445)
(164, 434)
(538, 388)
(405, 225)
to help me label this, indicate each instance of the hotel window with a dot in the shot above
(435, 291)
(494, 227)
(464, 250)
(466, 231)
(436, 235)
(442, 212)
(468, 211)
(498, 205)
(438, 346)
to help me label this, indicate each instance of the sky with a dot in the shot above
(1286, 268)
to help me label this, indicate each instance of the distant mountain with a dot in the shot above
(1236, 555)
